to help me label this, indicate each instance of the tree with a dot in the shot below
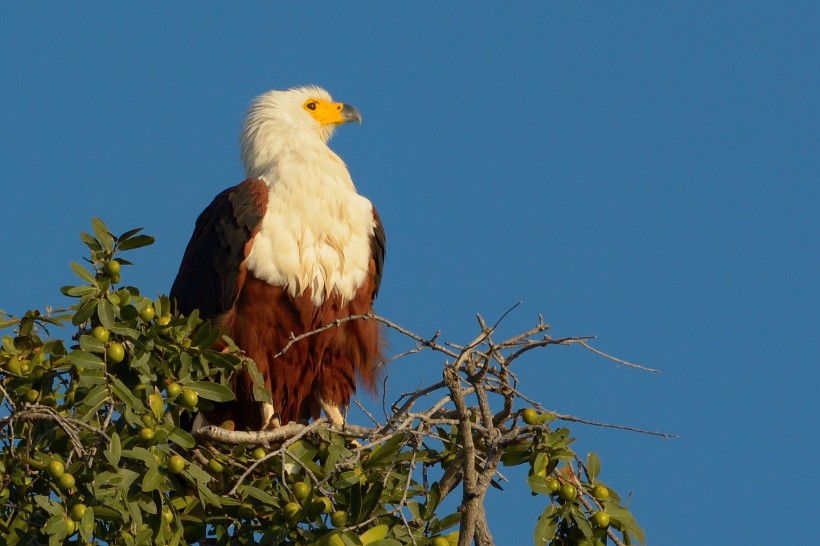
(92, 450)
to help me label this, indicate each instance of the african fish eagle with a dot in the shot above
(292, 248)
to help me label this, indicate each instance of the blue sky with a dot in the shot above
(645, 172)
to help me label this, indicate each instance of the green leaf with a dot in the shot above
(225, 361)
(128, 234)
(622, 519)
(105, 311)
(86, 526)
(157, 405)
(48, 505)
(83, 273)
(211, 391)
(260, 495)
(346, 479)
(516, 454)
(86, 361)
(433, 498)
(140, 454)
(181, 438)
(593, 466)
(371, 499)
(85, 309)
(385, 452)
(415, 509)
(114, 451)
(445, 523)
(79, 291)
(96, 395)
(91, 344)
(205, 337)
(90, 242)
(124, 393)
(303, 451)
(581, 522)
(546, 527)
(125, 331)
(152, 479)
(137, 241)
(108, 514)
(374, 533)
(103, 236)
(260, 391)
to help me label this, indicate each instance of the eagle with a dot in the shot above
(290, 250)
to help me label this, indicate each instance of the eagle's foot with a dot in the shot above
(270, 419)
(333, 413)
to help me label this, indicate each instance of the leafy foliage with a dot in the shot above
(93, 452)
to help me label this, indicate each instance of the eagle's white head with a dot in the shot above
(278, 121)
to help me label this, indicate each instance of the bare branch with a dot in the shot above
(618, 360)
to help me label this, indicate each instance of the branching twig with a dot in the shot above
(479, 395)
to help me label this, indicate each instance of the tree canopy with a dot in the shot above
(92, 450)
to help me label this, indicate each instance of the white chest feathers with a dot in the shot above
(316, 234)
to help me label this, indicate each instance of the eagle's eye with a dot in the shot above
(311, 105)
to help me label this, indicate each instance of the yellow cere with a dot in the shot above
(325, 112)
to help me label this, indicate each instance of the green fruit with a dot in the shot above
(148, 420)
(55, 468)
(258, 453)
(112, 268)
(530, 416)
(176, 464)
(101, 333)
(215, 466)
(66, 482)
(301, 490)
(189, 398)
(441, 541)
(147, 314)
(600, 519)
(167, 515)
(38, 372)
(292, 510)
(325, 504)
(452, 538)
(567, 492)
(173, 389)
(13, 366)
(553, 485)
(31, 395)
(115, 353)
(339, 518)
(600, 492)
(164, 321)
(77, 512)
(147, 434)
(70, 526)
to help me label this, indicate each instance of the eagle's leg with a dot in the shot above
(333, 413)
(270, 419)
